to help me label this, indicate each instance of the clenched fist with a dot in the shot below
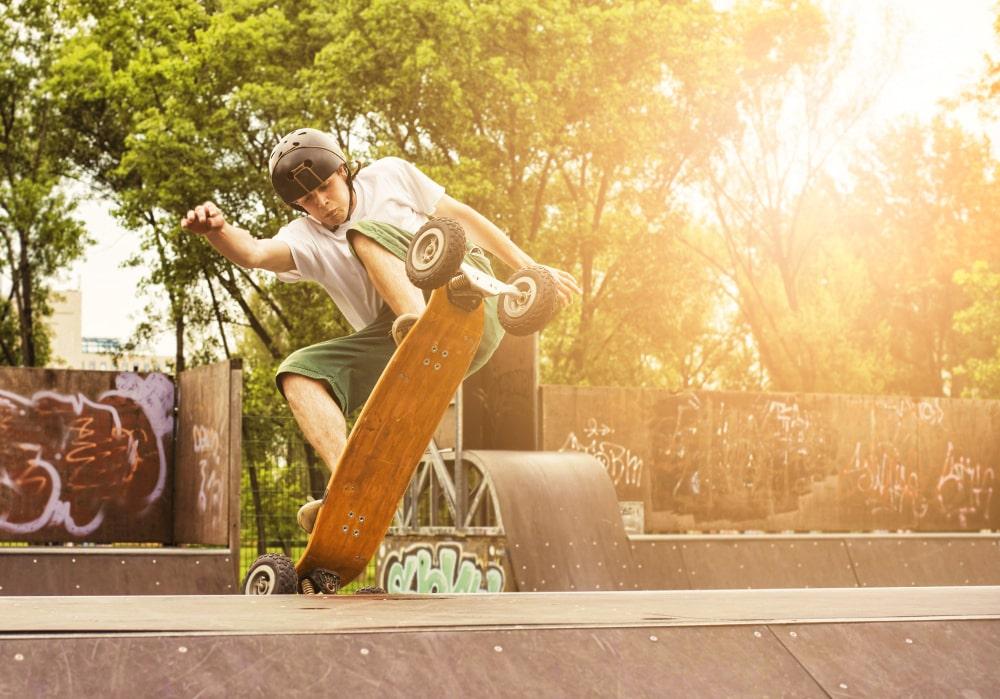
(204, 218)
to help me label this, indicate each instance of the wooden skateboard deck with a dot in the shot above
(390, 436)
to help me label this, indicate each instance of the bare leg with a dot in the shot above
(318, 415)
(388, 274)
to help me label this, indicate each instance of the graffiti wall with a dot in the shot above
(607, 423)
(208, 454)
(85, 456)
(735, 461)
(432, 565)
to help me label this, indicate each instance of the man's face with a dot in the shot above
(329, 202)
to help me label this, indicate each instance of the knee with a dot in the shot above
(366, 248)
(359, 241)
(297, 387)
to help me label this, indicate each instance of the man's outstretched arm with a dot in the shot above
(236, 244)
(485, 233)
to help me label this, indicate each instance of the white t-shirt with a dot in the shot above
(389, 190)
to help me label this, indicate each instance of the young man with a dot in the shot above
(353, 241)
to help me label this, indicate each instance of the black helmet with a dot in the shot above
(302, 161)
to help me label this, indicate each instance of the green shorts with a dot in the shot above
(351, 365)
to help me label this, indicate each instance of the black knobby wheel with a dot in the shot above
(370, 590)
(325, 582)
(529, 310)
(271, 574)
(435, 253)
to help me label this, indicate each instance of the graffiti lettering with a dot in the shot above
(887, 485)
(66, 459)
(619, 461)
(735, 458)
(961, 495)
(209, 454)
(928, 410)
(964, 489)
(778, 461)
(414, 570)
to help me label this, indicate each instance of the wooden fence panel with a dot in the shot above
(500, 401)
(206, 496)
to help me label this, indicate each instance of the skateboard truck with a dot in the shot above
(321, 582)
(468, 288)
(435, 259)
(484, 283)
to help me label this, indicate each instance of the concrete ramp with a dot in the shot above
(559, 512)
(848, 642)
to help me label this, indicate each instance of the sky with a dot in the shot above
(944, 43)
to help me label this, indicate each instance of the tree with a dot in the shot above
(571, 125)
(175, 103)
(923, 207)
(979, 324)
(38, 233)
(988, 89)
(770, 233)
(574, 126)
(164, 99)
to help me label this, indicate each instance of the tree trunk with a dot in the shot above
(25, 308)
(218, 316)
(258, 514)
(258, 328)
(179, 340)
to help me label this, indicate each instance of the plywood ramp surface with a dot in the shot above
(346, 613)
(811, 643)
(559, 512)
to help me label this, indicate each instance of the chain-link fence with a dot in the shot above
(280, 472)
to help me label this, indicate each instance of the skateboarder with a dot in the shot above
(353, 241)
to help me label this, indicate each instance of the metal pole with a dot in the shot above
(461, 487)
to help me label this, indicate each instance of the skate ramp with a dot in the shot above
(848, 642)
(755, 561)
(559, 513)
(564, 532)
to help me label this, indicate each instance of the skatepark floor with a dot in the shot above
(803, 642)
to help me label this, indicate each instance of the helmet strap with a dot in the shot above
(354, 197)
(350, 186)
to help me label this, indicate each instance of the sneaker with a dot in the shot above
(402, 325)
(307, 515)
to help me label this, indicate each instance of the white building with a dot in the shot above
(70, 350)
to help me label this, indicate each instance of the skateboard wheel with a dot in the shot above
(271, 574)
(370, 590)
(529, 310)
(435, 253)
(326, 581)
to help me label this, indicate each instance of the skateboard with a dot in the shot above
(408, 401)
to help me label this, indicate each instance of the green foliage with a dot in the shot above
(571, 126)
(770, 230)
(38, 234)
(988, 89)
(675, 158)
(582, 129)
(923, 207)
(979, 324)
